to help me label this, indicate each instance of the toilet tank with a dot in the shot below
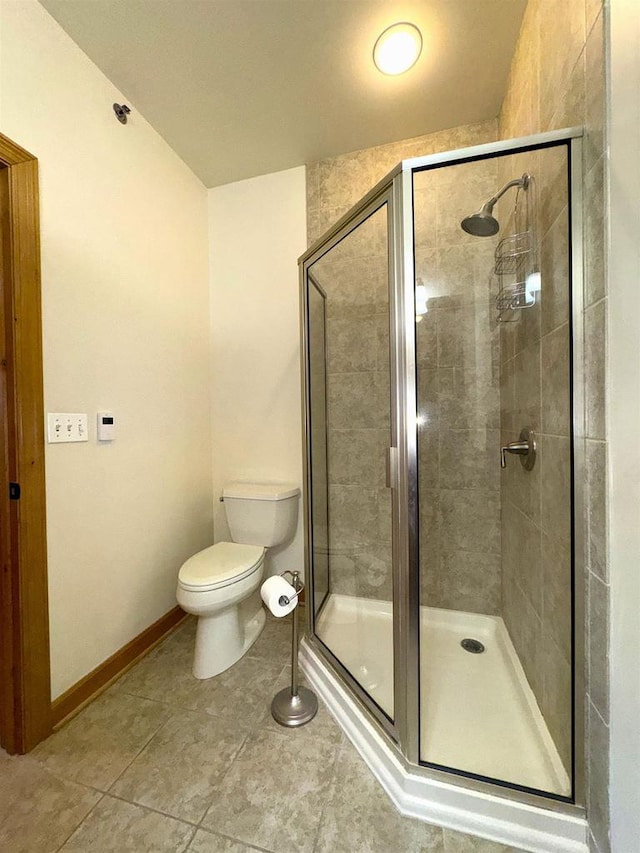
(261, 513)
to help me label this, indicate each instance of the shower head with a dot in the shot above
(482, 223)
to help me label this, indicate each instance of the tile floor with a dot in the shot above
(162, 763)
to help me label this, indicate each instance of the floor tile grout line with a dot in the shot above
(248, 844)
(142, 749)
(85, 818)
(186, 848)
(222, 777)
(153, 809)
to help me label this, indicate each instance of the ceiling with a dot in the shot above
(240, 88)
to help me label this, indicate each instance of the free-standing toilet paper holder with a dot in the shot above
(295, 705)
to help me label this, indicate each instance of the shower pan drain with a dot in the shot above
(473, 646)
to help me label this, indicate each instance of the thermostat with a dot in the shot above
(106, 426)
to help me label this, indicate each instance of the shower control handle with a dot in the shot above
(525, 448)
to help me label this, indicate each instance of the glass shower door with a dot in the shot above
(348, 377)
(495, 467)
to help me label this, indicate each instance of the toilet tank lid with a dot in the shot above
(261, 491)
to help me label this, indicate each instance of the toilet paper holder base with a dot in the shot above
(295, 705)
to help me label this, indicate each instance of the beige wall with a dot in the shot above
(557, 80)
(125, 317)
(257, 232)
(623, 383)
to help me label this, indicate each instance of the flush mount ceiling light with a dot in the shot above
(397, 48)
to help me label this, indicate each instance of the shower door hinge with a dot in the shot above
(392, 467)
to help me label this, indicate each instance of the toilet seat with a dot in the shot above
(220, 565)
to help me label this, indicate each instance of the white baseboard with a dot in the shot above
(427, 798)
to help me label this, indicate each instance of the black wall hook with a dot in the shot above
(121, 111)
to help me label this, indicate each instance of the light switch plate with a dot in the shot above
(67, 426)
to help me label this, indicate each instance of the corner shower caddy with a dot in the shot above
(516, 257)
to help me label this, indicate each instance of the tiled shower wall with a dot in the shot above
(536, 504)
(354, 277)
(558, 80)
(458, 379)
(357, 357)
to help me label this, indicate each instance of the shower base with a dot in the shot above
(478, 713)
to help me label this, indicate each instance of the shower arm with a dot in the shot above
(521, 183)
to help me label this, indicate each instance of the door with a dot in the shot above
(25, 693)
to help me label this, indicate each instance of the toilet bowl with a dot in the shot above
(220, 584)
(211, 585)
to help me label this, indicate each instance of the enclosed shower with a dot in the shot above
(442, 364)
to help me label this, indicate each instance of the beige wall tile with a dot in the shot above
(358, 457)
(555, 478)
(595, 233)
(594, 91)
(598, 633)
(470, 520)
(363, 570)
(357, 343)
(551, 186)
(465, 580)
(521, 554)
(527, 387)
(592, 10)
(562, 37)
(428, 458)
(468, 399)
(570, 106)
(555, 393)
(525, 630)
(520, 486)
(427, 339)
(358, 400)
(598, 775)
(597, 539)
(554, 267)
(556, 611)
(556, 697)
(595, 319)
(469, 459)
(353, 514)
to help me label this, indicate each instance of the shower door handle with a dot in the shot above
(392, 467)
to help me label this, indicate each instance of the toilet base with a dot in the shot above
(223, 638)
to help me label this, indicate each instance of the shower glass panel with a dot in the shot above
(493, 366)
(349, 427)
(317, 325)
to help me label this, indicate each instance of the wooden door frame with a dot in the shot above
(25, 697)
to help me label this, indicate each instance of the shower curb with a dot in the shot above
(427, 798)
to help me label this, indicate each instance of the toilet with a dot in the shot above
(220, 585)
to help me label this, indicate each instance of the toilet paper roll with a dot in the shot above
(272, 590)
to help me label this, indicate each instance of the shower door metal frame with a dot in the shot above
(380, 196)
(397, 187)
(572, 138)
